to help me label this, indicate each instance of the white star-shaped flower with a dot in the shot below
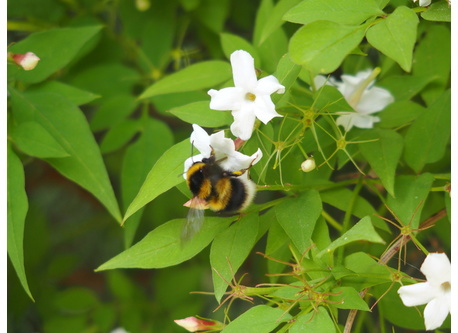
(435, 292)
(224, 150)
(249, 99)
(363, 97)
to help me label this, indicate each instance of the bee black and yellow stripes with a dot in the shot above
(221, 190)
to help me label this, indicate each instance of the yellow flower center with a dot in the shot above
(250, 97)
(446, 286)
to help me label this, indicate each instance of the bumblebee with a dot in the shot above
(222, 191)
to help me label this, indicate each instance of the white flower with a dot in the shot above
(362, 96)
(423, 3)
(27, 61)
(119, 330)
(435, 292)
(249, 99)
(224, 149)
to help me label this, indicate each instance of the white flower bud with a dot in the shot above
(28, 61)
(308, 165)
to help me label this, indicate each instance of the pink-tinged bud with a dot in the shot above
(308, 165)
(28, 61)
(193, 324)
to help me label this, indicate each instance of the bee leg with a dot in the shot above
(239, 172)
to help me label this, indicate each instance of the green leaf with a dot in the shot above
(55, 48)
(230, 249)
(317, 321)
(34, 140)
(76, 300)
(438, 11)
(119, 135)
(286, 73)
(368, 272)
(276, 19)
(321, 46)
(395, 36)
(361, 231)
(258, 319)
(432, 57)
(201, 114)
(383, 155)
(427, 138)
(341, 199)
(113, 110)
(298, 216)
(207, 74)
(165, 174)
(67, 124)
(404, 87)
(73, 94)
(17, 205)
(399, 114)
(410, 192)
(338, 11)
(231, 43)
(348, 298)
(162, 247)
(156, 137)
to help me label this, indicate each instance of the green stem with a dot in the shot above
(331, 221)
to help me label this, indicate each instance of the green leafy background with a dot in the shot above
(98, 132)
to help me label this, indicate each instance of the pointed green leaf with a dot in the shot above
(73, 94)
(162, 247)
(361, 231)
(383, 155)
(395, 36)
(339, 11)
(17, 210)
(230, 249)
(258, 319)
(316, 321)
(348, 298)
(156, 137)
(207, 74)
(298, 216)
(399, 114)
(321, 46)
(231, 43)
(411, 193)
(201, 114)
(68, 126)
(438, 11)
(119, 135)
(34, 140)
(427, 138)
(286, 73)
(55, 48)
(165, 174)
(276, 19)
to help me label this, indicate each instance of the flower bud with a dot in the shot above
(308, 165)
(28, 61)
(193, 324)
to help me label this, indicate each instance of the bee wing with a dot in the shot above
(194, 220)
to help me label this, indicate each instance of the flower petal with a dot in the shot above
(222, 146)
(230, 98)
(436, 268)
(268, 85)
(346, 120)
(201, 140)
(190, 161)
(373, 100)
(435, 313)
(243, 124)
(365, 121)
(417, 294)
(264, 109)
(243, 70)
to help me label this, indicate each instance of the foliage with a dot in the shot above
(110, 105)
